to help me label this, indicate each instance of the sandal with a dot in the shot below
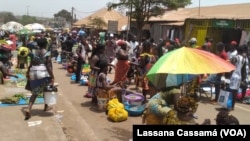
(27, 115)
(88, 95)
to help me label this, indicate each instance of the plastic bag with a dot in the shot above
(114, 103)
(225, 99)
(118, 114)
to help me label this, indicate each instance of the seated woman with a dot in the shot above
(102, 85)
(4, 72)
(160, 104)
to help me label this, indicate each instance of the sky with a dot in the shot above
(82, 8)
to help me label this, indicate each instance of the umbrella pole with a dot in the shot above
(183, 87)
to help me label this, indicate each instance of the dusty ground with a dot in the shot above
(80, 117)
(78, 111)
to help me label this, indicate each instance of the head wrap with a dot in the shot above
(233, 43)
(186, 104)
(121, 43)
(192, 40)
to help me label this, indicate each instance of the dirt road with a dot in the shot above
(82, 121)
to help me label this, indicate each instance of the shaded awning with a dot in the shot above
(124, 28)
(174, 23)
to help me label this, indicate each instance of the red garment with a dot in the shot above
(121, 70)
(223, 55)
(12, 37)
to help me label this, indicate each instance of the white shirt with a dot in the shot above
(131, 52)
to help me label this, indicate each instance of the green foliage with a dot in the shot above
(64, 14)
(20, 96)
(9, 100)
(142, 10)
(40, 95)
(7, 17)
(27, 20)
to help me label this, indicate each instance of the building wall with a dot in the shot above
(201, 28)
(161, 31)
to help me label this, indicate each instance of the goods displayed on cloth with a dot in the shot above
(84, 79)
(225, 99)
(20, 81)
(85, 74)
(20, 99)
(19, 71)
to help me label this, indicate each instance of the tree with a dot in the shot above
(7, 17)
(142, 10)
(27, 20)
(64, 14)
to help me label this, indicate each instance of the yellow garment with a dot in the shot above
(172, 119)
(32, 38)
(159, 105)
(23, 51)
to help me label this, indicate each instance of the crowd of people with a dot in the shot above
(130, 59)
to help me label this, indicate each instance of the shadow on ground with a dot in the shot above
(120, 134)
(38, 112)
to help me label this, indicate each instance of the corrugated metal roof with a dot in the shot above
(234, 11)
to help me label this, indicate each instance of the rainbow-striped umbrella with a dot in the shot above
(187, 61)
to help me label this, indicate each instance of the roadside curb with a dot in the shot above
(88, 133)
